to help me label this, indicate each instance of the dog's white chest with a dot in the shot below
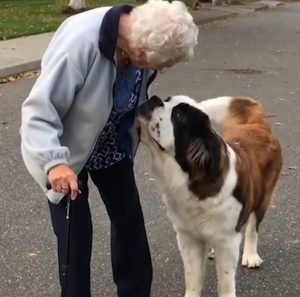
(211, 219)
(208, 220)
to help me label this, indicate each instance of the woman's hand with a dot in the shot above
(63, 180)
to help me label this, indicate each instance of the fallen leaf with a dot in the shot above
(293, 167)
(271, 115)
(29, 74)
(11, 78)
(281, 51)
(283, 173)
(211, 254)
(151, 179)
(278, 124)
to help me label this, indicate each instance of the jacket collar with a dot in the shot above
(109, 30)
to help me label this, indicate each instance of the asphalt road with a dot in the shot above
(257, 55)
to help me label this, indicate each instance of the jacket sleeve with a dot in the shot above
(45, 107)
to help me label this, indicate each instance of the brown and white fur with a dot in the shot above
(213, 184)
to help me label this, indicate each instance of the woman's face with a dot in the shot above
(138, 58)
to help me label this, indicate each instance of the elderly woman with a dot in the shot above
(78, 121)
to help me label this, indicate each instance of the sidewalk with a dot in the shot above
(24, 54)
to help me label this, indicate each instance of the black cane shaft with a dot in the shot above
(65, 266)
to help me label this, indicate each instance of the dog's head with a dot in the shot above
(177, 127)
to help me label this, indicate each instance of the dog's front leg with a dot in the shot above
(194, 256)
(227, 256)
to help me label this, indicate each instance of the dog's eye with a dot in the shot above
(178, 115)
(168, 99)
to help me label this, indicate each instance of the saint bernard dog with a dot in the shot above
(214, 184)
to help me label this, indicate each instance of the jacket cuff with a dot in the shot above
(53, 163)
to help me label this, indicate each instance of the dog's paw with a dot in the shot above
(251, 261)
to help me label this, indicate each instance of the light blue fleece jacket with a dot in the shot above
(72, 98)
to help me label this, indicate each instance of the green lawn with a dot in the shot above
(27, 17)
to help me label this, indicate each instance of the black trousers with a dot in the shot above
(131, 262)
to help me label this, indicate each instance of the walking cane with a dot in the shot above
(65, 265)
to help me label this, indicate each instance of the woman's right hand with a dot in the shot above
(63, 180)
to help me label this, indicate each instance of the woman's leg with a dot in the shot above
(131, 262)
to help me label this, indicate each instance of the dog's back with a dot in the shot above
(244, 126)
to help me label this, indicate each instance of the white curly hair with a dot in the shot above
(164, 30)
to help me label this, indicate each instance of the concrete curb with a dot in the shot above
(263, 7)
(199, 20)
(15, 69)
(274, 4)
(35, 64)
(269, 5)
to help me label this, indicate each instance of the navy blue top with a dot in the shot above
(114, 142)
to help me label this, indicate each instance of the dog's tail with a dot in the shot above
(227, 112)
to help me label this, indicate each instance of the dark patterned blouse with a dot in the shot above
(113, 143)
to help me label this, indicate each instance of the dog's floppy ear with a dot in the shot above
(197, 146)
(206, 153)
(197, 154)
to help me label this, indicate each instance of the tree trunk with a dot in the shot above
(77, 5)
(217, 2)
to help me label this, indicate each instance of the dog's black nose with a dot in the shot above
(156, 101)
(146, 108)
